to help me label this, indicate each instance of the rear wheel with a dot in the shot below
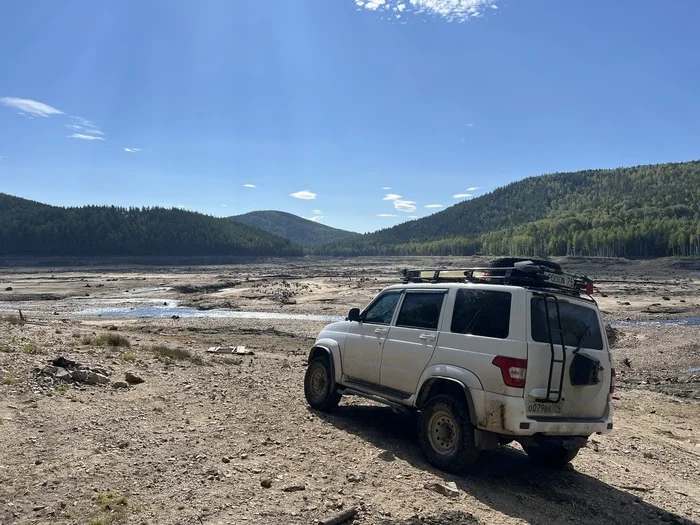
(551, 455)
(318, 385)
(446, 434)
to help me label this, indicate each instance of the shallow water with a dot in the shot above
(172, 309)
(680, 321)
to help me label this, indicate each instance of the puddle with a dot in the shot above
(172, 309)
(148, 290)
(681, 321)
(694, 369)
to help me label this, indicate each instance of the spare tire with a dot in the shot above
(506, 262)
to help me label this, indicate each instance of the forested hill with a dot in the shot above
(296, 229)
(35, 229)
(649, 210)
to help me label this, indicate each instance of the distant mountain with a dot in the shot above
(651, 210)
(296, 229)
(33, 229)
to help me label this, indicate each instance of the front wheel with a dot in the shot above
(551, 455)
(317, 386)
(446, 434)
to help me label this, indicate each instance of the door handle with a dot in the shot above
(427, 337)
(381, 331)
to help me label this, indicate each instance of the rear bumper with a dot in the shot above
(506, 415)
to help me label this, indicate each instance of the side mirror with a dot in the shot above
(354, 315)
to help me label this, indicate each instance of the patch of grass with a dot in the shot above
(129, 357)
(34, 405)
(228, 360)
(115, 340)
(109, 500)
(62, 389)
(68, 514)
(97, 521)
(13, 320)
(9, 381)
(29, 349)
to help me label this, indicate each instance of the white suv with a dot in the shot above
(516, 351)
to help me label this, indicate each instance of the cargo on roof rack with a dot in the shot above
(525, 273)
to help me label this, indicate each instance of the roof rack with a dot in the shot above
(524, 273)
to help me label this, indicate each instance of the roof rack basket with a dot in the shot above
(524, 273)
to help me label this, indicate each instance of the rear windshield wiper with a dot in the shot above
(582, 339)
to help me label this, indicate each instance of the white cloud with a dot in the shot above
(470, 125)
(434, 206)
(30, 108)
(224, 205)
(391, 197)
(84, 126)
(405, 206)
(84, 137)
(132, 150)
(315, 218)
(303, 194)
(474, 188)
(249, 186)
(317, 212)
(413, 216)
(386, 188)
(462, 195)
(386, 215)
(450, 10)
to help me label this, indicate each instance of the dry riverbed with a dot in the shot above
(210, 439)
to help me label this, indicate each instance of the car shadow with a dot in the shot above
(505, 479)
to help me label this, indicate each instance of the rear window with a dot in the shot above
(482, 312)
(575, 320)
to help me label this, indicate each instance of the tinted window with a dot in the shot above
(482, 312)
(382, 310)
(421, 310)
(575, 320)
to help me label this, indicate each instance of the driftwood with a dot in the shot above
(339, 518)
(21, 317)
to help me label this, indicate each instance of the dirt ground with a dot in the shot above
(222, 440)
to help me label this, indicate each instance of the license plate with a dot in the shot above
(544, 408)
(563, 280)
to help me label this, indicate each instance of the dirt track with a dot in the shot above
(199, 437)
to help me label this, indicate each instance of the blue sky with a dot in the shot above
(336, 100)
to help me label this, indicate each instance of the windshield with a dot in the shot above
(579, 323)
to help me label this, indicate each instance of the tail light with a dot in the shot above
(613, 380)
(513, 370)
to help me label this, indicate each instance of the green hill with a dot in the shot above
(34, 229)
(651, 210)
(296, 229)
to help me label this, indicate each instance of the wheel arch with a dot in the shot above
(331, 350)
(437, 385)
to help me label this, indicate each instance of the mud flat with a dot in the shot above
(197, 440)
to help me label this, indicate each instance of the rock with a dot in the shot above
(353, 478)
(79, 375)
(8, 289)
(64, 375)
(226, 459)
(113, 328)
(93, 378)
(120, 384)
(244, 456)
(294, 488)
(666, 298)
(266, 483)
(175, 317)
(448, 489)
(648, 455)
(132, 378)
(49, 370)
(37, 508)
(38, 462)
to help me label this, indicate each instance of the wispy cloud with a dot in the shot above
(474, 188)
(82, 136)
(391, 197)
(317, 212)
(405, 206)
(132, 150)
(315, 218)
(386, 215)
(434, 206)
(30, 108)
(249, 186)
(450, 10)
(303, 194)
(224, 205)
(462, 195)
(386, 188)
(470, 125)
(83, 126)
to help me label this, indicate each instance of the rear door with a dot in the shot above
(412, 339)
(586, 369)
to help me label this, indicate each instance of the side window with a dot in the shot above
(576, 321)
(382, 309)
(482, 312)
(421, 310)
